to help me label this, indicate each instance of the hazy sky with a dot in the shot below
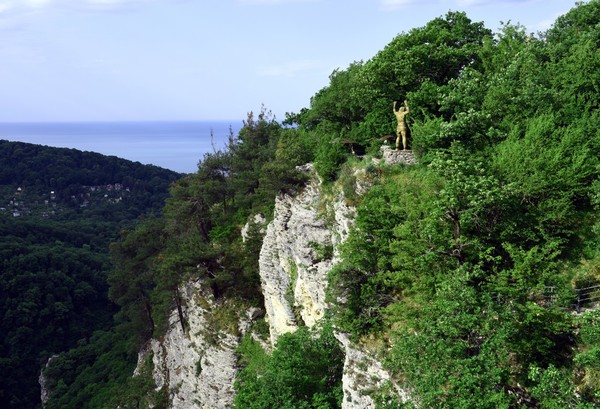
(109, 60)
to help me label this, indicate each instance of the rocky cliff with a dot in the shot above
(197, 367)
(300, 246)
(299, 249)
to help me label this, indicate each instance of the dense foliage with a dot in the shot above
(54, 254)
(461, 269)
(303, 371)
(356, 107)
(468, 262)
(65, 183)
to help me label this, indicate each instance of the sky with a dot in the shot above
(150, 60)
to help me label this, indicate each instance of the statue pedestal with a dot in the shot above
(392, 156)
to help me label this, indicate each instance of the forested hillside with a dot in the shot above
(461, 270)
(59, 210)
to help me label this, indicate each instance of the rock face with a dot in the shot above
(44, 391)
(298, 251)
(363, 374)
(299, 248)
(197, 367)
(301, 245)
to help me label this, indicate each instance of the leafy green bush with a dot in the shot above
(303, 371)
(328, 159)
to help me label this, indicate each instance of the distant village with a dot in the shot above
(20, 202)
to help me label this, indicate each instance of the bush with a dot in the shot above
(304, 371)
(329, 159)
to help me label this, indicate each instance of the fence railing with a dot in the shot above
(587, 296)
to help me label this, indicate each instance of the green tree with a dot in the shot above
(303, 371)
(133, 278)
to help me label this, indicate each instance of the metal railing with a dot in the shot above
(587, 296)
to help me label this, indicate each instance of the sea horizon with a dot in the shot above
(175, 145)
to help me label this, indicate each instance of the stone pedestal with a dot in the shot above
(392, 156)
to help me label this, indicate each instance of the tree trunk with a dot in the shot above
(179, 309)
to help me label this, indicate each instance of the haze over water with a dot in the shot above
(175, 145)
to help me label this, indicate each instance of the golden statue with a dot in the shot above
(401, 130)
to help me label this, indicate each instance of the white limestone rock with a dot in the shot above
(363, 375)
(44, 391)
(300, 247)
(298, 251)
(198, 366)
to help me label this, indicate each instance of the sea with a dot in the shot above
(175, 145)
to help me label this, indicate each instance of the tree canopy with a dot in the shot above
(59, 211)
